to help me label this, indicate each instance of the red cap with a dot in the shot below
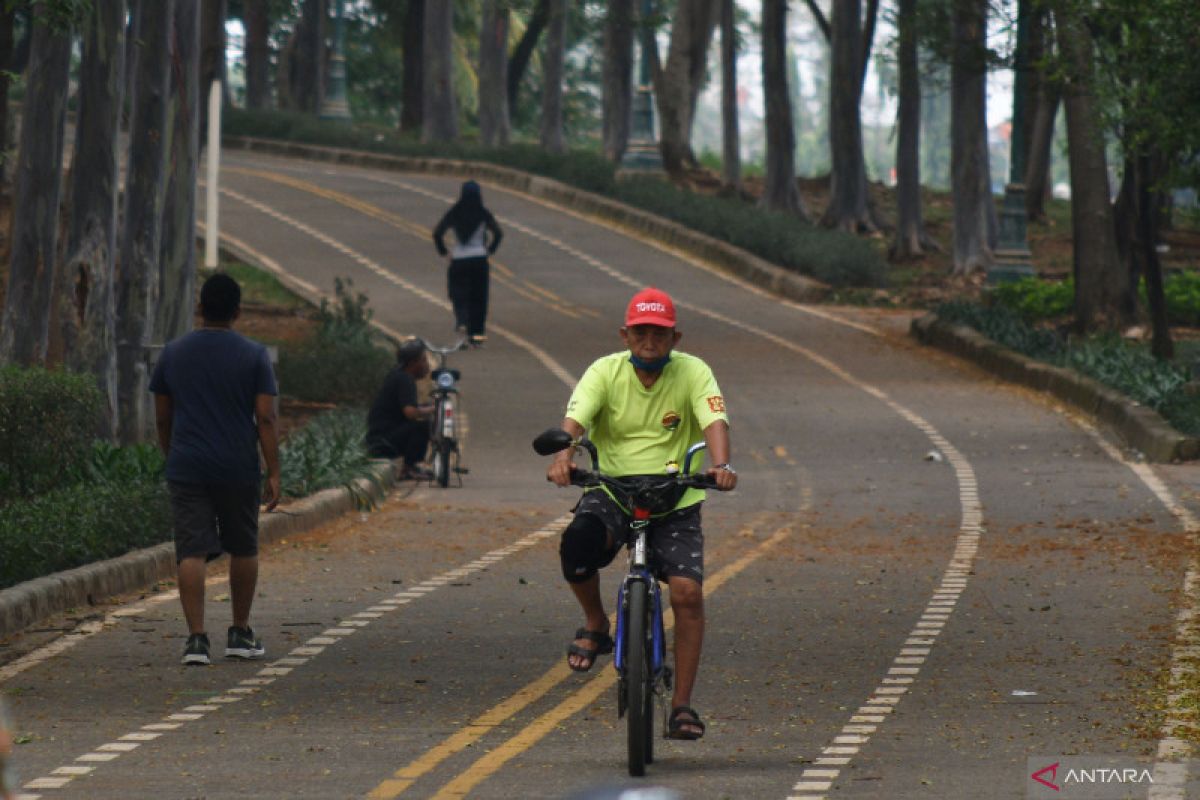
(651, 306)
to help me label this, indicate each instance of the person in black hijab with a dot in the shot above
(467, 278)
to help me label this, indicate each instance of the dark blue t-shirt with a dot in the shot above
(213, 376)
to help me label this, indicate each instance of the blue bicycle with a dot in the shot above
(640, 651)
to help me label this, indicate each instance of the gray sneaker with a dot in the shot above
(244, 643)
(196, 651)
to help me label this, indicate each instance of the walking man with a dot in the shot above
(214, 406)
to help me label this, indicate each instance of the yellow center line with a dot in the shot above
(504, 275)
(489, 720)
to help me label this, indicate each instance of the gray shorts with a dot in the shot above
(675, 539)
(211, 518)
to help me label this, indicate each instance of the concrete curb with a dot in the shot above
(1140, 427)
(30, 602)
(715, 252)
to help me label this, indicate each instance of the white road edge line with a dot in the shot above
(1170, 761)
(109, 751)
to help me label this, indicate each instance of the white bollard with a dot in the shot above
(211, 234)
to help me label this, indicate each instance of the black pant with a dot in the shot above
(467, 282)
(409, 439)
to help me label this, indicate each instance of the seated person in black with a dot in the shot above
(397, 425)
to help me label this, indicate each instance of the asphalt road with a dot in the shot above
(924, 578)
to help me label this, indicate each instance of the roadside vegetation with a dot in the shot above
(69, 498)
(1032, 317)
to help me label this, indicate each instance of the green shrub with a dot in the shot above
(107, 463)
(344, 361)
(1035, 299)
(1182, 291)
(47, 422)
(80, 524)
(327, 452)
(1125, 366)
(837, 258)
(1003, 325)
(1129, 368)
(834, 258)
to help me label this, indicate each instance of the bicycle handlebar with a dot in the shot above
(461, 344)
(587, 477)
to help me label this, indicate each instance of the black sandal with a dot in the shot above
(677, 724)
(604, 645)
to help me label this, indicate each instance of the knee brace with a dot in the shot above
(582, 548)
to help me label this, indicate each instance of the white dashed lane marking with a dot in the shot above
(280, 668)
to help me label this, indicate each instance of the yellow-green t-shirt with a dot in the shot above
(638, 430)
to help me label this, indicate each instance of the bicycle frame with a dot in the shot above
(443, 431)
(639, 570)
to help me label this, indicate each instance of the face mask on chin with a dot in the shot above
(649, 366)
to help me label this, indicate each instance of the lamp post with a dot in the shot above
(642, 151)
(335, 106)
(1013, 259)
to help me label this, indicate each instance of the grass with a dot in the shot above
(326, 453)
(258, 286)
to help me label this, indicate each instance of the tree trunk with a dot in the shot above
(698, 71)
(551, 134)
(137, 281)
(1127, 226)
(211, 44)
(7, 20)
(1035, 74)
(493, 74)
(1041, 148)
(308, 87)
(849, 207)
(411, 104)
(131, 34)
(779, 192)
(257, 15)
(177, 264)
(911, 239)
(440, 114)
(968, 139)
(618, 77)
(868, 41)
(27, 304)
(691, 31)
(85, 294)
(1101, 284)
(1148, 227)
(524, 51)
(731, 155)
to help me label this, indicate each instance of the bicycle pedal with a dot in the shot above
(461, 470)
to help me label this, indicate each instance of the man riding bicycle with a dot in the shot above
(643, 407)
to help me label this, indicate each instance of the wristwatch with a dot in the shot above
(727, 467)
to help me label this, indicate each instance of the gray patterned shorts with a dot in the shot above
(676, 541)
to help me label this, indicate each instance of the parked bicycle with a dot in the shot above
(445, 430)
(640, 651)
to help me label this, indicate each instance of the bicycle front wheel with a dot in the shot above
(441, 462)
(637, 680)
